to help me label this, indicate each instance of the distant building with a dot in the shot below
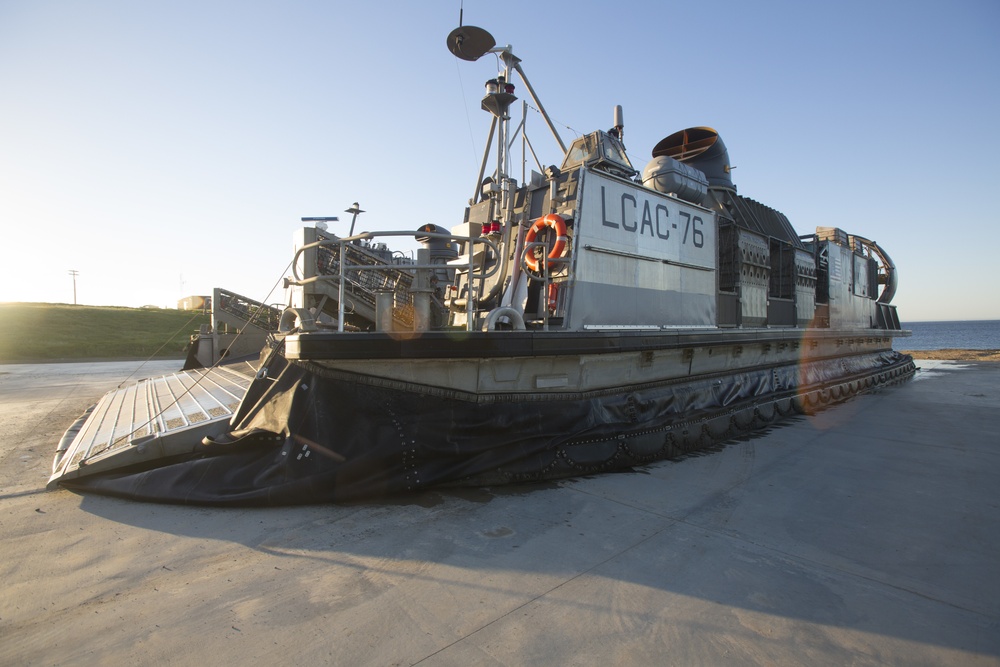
(195, 303)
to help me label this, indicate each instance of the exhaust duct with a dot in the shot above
(701, 148)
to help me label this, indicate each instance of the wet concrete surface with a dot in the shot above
(866, 534)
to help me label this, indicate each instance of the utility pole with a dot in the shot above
(74, 273)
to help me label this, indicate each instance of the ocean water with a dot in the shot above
(965, 335)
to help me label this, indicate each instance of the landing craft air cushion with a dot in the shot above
(590, 318)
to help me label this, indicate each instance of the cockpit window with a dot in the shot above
(582, 151)
(600, 151)
(615, 152)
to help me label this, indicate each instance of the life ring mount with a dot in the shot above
(555, 222)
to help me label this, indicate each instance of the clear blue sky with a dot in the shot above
(164, 148)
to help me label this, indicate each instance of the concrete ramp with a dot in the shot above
(151, 419)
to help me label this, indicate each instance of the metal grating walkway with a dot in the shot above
(151, 419)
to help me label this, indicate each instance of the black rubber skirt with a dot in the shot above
(307, 435)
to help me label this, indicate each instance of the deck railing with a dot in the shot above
(364, 274)
(252, 312)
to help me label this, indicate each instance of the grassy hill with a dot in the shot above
(55, 331)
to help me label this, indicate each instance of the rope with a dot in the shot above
(261, 310)
(468, 118)
(167, 342)
(557, 122)
(198, 380)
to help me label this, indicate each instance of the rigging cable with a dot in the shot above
(159, 349)
(468, 118)
(203, 375)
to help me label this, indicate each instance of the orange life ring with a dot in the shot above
(555, 222)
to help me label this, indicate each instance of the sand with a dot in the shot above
(710, 560)
(955, 355)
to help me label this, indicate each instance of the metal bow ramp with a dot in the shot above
(151, 419)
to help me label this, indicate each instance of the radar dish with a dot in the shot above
(469, 42)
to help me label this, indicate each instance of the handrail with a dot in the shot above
(891, 273)
(364, 236)
(543, 272)
(250, 311)
(891, 276)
